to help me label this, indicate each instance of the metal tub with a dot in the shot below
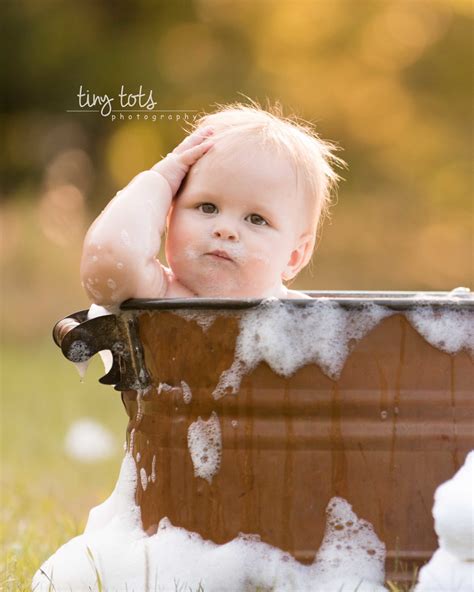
(384, 433)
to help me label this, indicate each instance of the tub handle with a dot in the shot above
(80, 338)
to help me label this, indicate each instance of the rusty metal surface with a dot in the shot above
(398, 422)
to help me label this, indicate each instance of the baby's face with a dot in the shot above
(234, 224)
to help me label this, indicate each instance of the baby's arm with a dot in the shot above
(118, 257)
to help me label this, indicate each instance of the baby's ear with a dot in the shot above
(300, 256)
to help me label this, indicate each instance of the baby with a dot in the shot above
(240, 200)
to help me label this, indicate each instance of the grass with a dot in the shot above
(46, 496)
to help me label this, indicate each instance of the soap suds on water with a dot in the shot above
(452, 566)
(205, 446)
(89, 441)
(273, 333)
(126, 558)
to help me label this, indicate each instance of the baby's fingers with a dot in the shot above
(192, 155)
(194, 139)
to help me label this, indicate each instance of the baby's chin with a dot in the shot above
(226, 286)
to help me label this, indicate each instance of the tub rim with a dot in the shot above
(397, 300)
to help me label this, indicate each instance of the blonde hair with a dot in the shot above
(312, 157)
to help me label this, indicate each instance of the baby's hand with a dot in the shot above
(176, 164)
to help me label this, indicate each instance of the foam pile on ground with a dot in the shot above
(273, 332)
(114, 553)
(89, 441)
(452, 566)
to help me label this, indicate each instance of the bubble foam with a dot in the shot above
(205, 446)
(116, 551)
(273, 333)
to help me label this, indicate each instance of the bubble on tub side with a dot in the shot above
(204, 319)
(153, 469)
(79, 354)
(288, 338)
(448, 330)
(138, 457)
(143, 479)
(163, 387)
(121, 546)
(365, 553)
(205, 435)
(79, 351)
(461, 292)
(187, 393)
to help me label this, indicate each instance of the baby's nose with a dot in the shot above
(224, 232)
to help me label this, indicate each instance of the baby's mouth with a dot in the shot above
(222, 255)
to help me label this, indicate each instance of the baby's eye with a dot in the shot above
(207, 208)
(257, 220)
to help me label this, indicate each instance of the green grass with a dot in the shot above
(46, 496)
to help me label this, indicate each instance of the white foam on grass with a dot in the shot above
(205, 446)
(273, 332)
(89, 441)
(452, 566)
(114, 553)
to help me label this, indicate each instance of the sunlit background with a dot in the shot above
(390, 81)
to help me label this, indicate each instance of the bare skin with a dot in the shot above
(228, 234)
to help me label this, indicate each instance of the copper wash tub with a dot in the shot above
(395, 423)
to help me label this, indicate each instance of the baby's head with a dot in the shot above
(257, 197)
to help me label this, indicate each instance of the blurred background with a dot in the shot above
(390, 81)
